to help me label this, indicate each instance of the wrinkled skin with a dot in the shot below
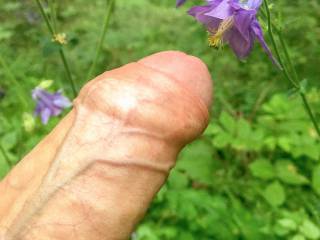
(94, 176)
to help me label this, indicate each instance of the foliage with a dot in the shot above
(260, 180)
(255, 174)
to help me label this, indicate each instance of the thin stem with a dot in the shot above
(286, 52)
(45, 17)
(270, 31)
(69, 76)
(110, 4)
(5, 155)
(13, 79)
(53, 14)
(61, 51)
(309, 111)
(296, 81)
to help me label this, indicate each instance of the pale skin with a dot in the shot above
(94, 176)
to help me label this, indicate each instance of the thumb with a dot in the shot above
(95, 174)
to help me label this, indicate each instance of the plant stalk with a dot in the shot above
(61, 51)
(294, 80)
(110, 5)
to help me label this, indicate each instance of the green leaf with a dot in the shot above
(298, 237)
(262, 168)
(222, 140)
(288, 173)
(197, 162)
(9, 140)
(212, 129)
(228, 122)
(287, 223)
(310, 230)
(275, 194)
(4, 167)
(178, 180)
(316, 179)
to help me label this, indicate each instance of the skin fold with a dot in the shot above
(94, 176)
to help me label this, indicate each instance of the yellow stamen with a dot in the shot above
(216, 37)
(60, 38)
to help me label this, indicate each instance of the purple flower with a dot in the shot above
(233, 22)
(180, 2)
(49, 104)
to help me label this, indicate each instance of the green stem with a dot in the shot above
(62, 54)
(296, 80)
(5, 155)
(13, 79)
(270, 31)
(309, 111)
(45, 17)
(53, 14)
(110, 5)
(286, 52)
(69, 76)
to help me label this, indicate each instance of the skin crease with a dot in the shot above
(94, 176)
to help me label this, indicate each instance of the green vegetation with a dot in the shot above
(255, 174)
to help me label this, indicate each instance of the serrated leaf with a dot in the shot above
(222, 140)
(9, 140)
(310, 230)
(262, 168)
(178, 180)
(196, 160)
(287, 223)
(298, 237)
(275, 194)
(228, 122)
(288, 173)
(212, 129)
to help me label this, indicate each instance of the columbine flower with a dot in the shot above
(49, 104)
(233, 22)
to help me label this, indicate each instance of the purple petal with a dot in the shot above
(241, 46)
(62, 102)
(199, 13)
(49, 104)
(243, 21)
(259, 35)
(56, 111)
(254, 4)
(248, 5)
(45, 115)
(222, 10)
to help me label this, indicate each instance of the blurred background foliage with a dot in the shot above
(255, 173)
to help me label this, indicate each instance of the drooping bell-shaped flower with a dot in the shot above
(233, 22)
(49, 104)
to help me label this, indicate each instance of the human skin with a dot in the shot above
(94, 176)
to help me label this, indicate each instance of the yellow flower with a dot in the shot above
(60, 38)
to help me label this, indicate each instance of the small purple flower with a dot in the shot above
(49, 104)
(180, 2)
(233, 22)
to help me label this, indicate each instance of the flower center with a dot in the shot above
(216, 37)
